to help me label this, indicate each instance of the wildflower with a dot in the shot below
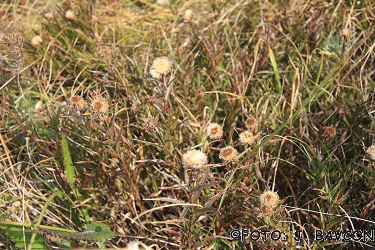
(228, 153)
(162, 2)
(371, 152)
(78, 102)
(49, 15)
(99, 105)
(70, 14)
(36, 41)
(188, 15)
(214, 131)
(151, 122)
(346, 33)
(251, 123)
(39, 107)
(160, 66)
(247, 137)
(269, 199)
(194, 158)
(329, 132)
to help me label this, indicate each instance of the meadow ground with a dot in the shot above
(187, 124)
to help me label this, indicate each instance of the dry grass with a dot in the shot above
(304, 70)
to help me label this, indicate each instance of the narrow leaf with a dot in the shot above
(67, 161)
(275, 69)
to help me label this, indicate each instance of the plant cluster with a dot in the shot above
(173, 124)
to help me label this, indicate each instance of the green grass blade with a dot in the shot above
(68, 163)
(275, 69)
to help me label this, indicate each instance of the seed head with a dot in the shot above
(228, 153)
(39, 107)
(77, 102)
(214, 131)
(188, 15)
(49, 15)
(347, 33)
(194, 158)
(251, 123)
(99, 105)
(160, 66)
(70, 14)
(269, 199)
(247, 137)
(371, 152)
(36, 41)
(162, 2)
(151, 122)
(329, 132)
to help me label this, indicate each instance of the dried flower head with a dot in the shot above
(194, 158)
(269, 199)
(347, 33)
(160, 66)
(188, 15)
(270, 16)
(251, 123)
(151, 122)
(371, 152)
(39, 107)
(214, 131)
(70, 14)
(247, 137)
(329, 132)
(99, 105)
(77, 102)
(228, 153)
(49, 15)
(36, 41)
(162, 2)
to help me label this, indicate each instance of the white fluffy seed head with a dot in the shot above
(194, 158)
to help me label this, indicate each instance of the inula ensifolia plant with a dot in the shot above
(99, 103)
(247, 137)
(251, 124)
(160, 66)
(214, 131)
(371, 152)
(194, 158)
(228, 153)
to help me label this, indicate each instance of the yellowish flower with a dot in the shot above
(247, 137)
(194, 158)
(70, 14)
(228, 153)
(162, 2)
(151, 122)
(39, 107)
(347, 33)
(160, 66)
(99, 105)
(251, 123)
(269, 199)
(78, 102)
(188, 15)
(36, 41)
(371, 152)
(214, 131)
(329, 132)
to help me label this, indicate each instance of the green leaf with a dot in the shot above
(275, 69)
(21, 237)
(95, 231)
(68, 163)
